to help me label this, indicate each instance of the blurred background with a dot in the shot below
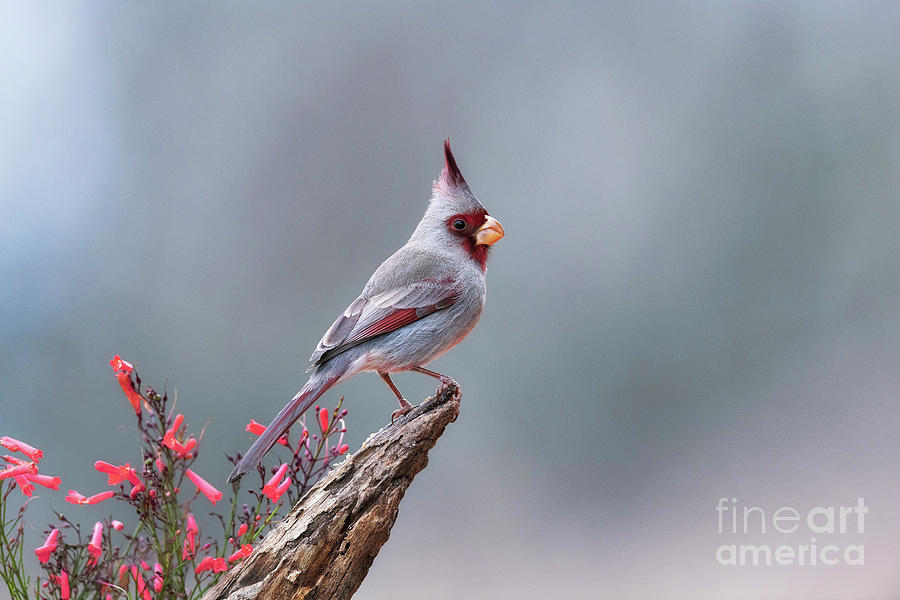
(697, 296)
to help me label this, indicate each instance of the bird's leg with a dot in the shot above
(405, 406)
(445, 380)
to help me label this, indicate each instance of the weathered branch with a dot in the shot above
(324, 547)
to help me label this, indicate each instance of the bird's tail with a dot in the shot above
(317, 385)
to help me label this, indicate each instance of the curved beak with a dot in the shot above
(489, 233)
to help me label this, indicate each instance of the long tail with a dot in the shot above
(317, 385)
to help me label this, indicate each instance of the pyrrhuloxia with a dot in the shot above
(417, 305)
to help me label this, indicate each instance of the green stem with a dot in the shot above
(11, 568)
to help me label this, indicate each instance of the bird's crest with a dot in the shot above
(451, 176)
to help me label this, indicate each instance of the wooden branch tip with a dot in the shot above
(324, 547)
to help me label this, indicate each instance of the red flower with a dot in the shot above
(258, 429)
(118, 525)
(243, 552)
(323, 420)
(157, 578)
(14, 460)
(216, 565)
(122, 370)
(343, 449)
(117, 474)
(128, 387)
(18, 470)
(204, 486)
(190, 538)
(24, 485)
(62, 580)
(44, 480)
(96, 540)
(133, 478)
(120, 365)
(281, 489)
(142, 590)
(170, 433)
(183, 450)
(50, 544)
(15, 445)
(76, 498)
(273, 485)
(135, 490)
(242, 529)
(255, 428)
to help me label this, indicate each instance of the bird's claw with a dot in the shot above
(405, 407)
(447, 382)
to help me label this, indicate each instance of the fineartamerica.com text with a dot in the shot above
(735, 519)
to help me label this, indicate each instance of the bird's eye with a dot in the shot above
(459, 224)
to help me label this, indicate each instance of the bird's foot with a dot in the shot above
(405, 407)
(447, 382)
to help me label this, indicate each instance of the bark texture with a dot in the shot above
(324, 547)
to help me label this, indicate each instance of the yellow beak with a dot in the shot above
(489, 233)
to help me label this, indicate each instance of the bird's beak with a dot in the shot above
(490, 232)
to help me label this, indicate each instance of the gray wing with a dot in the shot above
(367, 318)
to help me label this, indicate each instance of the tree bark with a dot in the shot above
(324, 547)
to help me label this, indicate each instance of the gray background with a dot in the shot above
(697, 295)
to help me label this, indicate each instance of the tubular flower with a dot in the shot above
(15, 445)
(118, 525)
(255, 428)
(116, 474)
(242, 529)
(44, 480)
(62, 580)
(204, 486)
(96, 540)
(24, 485)
(323, 420)
(281, 489)
(258, 429)
(76, 498)
(133, 478)
(275, 493)
(18, 470)
(135, 490)
(243, 552)
(118, 364)
(216, 565)
(272, 486)
(183, 450)
(190, 538)
(157, 578)
(169, 437)
(142, 590)
(50, 544)
(127, 386)
(122, 371)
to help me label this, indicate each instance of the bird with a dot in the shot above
(421, 302)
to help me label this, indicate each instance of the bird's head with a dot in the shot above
(455, 219)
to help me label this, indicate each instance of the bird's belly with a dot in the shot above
(419, 343)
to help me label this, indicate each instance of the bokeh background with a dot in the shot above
(697, 296)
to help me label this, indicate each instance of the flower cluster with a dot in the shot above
(168, 553)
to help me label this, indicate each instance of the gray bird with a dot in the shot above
(418, 304)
